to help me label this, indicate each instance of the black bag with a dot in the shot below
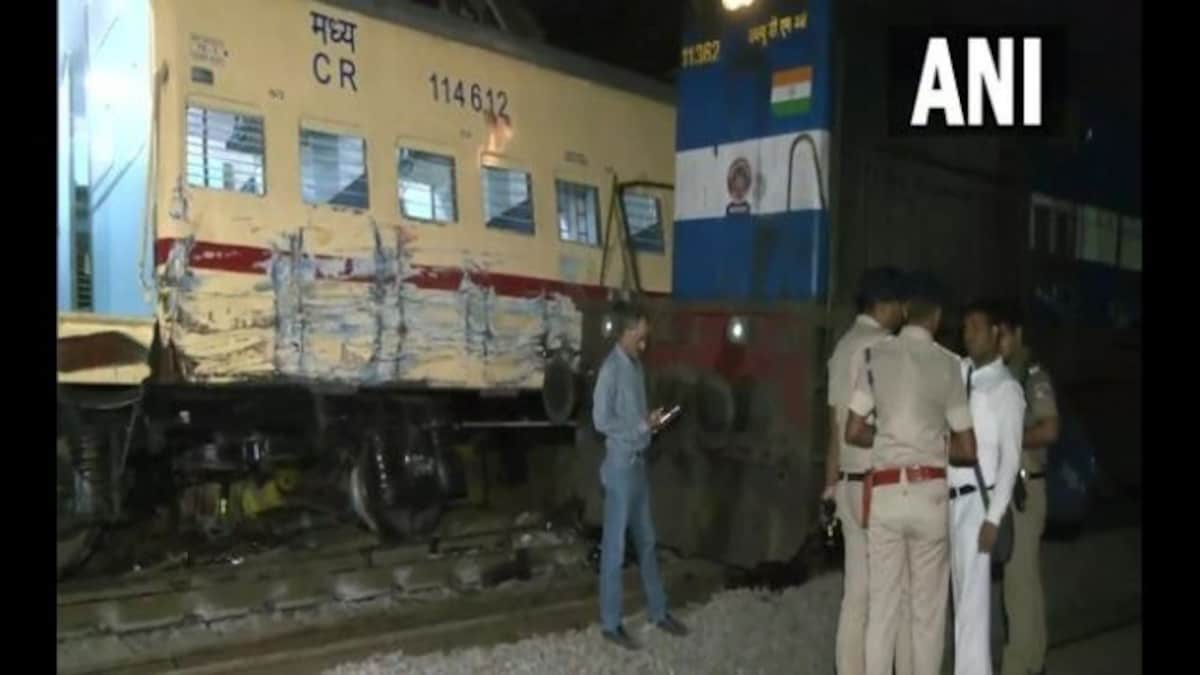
(1002, 550)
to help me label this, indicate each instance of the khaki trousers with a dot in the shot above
(1023, 600)
(908, 531)
(852, 621)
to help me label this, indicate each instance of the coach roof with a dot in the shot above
(438, 23)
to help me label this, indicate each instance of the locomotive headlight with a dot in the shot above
(607, 326)
(734, 5)
(738, 330)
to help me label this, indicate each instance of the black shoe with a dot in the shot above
(620, 638)
(672, 625)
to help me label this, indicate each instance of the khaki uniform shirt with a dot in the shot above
(916, 389)
(844, 366)
(1041, 404)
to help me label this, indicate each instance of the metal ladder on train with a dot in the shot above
(631, 280)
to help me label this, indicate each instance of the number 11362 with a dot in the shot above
(469, 94)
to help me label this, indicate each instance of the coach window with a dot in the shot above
(644, 215)
(333, 169)
(1039, 228)
(1052, 227)
(1064, 232)
(225, 150)
(578, 212)
(1131, 244)
(426, 187)
(508, 200)
(1098, 233)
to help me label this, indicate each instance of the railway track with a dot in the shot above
(503, 615)
(153, 618)
(486, 620)
(300, 612)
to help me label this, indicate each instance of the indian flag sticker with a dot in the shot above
(791, 91)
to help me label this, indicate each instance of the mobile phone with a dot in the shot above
(670, 415)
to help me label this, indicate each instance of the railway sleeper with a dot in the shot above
(214, 601)
(418, 627)
(330, 559)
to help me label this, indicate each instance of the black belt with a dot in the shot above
(966, 490)
(853, 477)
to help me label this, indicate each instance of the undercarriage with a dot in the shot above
(210, 463)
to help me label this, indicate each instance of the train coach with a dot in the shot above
(331, 236)
(305, 247)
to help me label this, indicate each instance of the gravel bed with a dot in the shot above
(736, 632)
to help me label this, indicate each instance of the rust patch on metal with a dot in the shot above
(99, 350)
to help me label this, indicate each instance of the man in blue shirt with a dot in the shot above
(619, 412)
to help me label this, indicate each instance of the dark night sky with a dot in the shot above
(1104, 36)
(641, 35)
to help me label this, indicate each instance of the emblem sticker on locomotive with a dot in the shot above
(791, 91)
(738, 181)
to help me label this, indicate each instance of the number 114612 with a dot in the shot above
(469, 94)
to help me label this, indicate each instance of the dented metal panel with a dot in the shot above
(716, 469)
(367, 320)
(124, 368)
(264, 284)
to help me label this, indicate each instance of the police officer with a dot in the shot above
(914, 389)
(1024, 603)
(881, 311)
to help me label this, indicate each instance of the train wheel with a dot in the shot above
(74, 549)
(559, 394)
(389, 491)
(75, 534)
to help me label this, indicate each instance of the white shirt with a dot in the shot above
(998, 410)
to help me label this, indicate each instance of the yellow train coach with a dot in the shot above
(343, 195)
(360, 198)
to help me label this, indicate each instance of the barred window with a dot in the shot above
(427, 186)
(1039, 229)
(1052, 227)
(333, 169)
(644, 215)
(508, 200)
(1097, 237)
(225, 151)
(1131, 244)
(1064, 232)
(578, 212)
